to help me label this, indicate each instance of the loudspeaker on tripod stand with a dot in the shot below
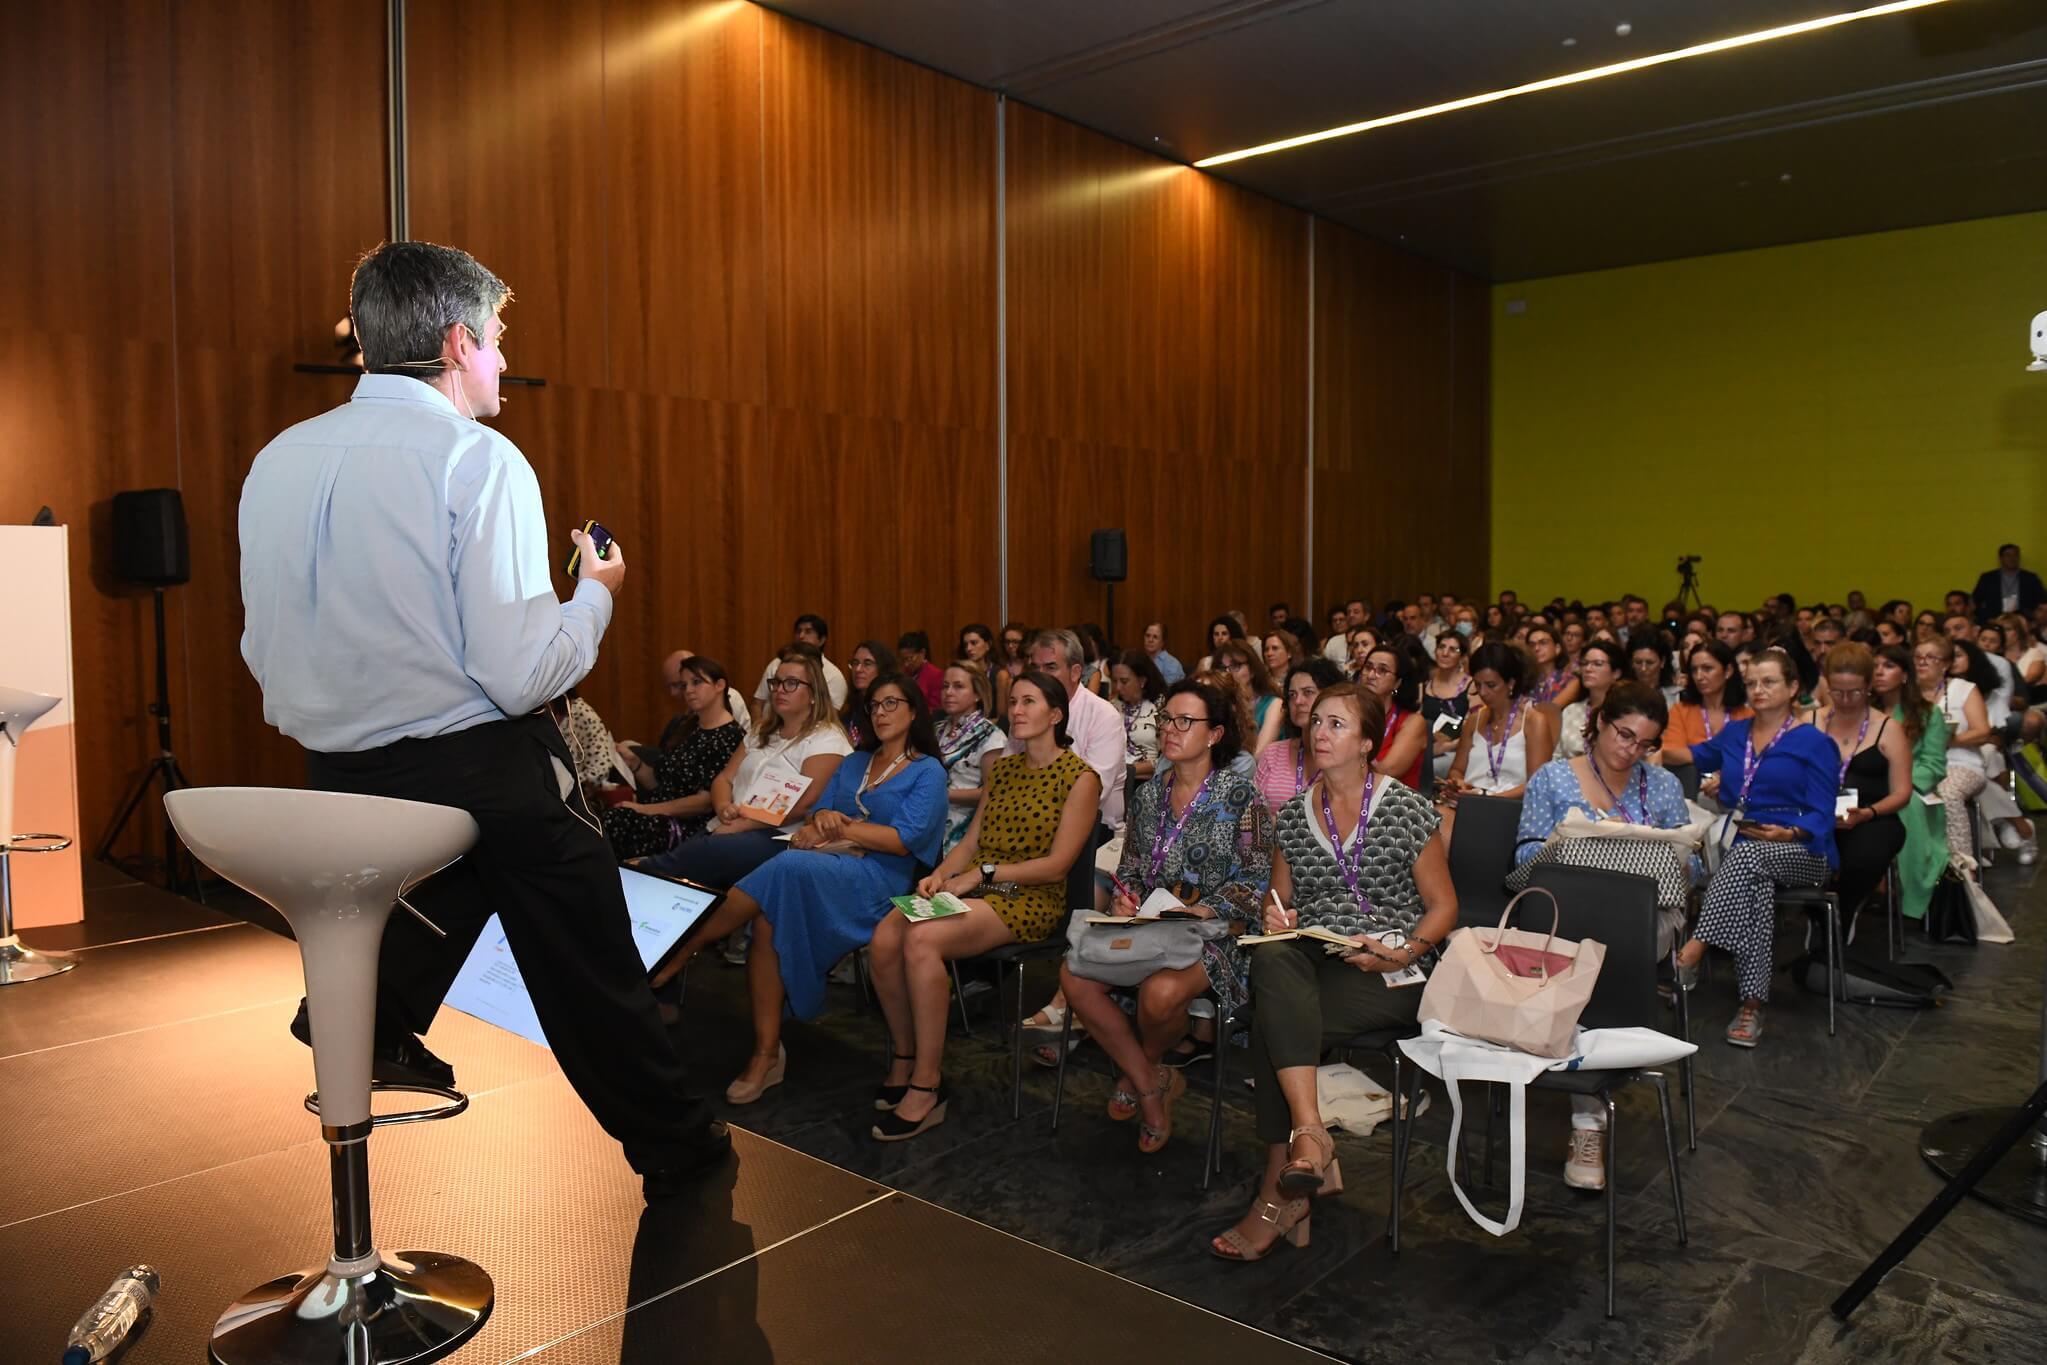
(1108, 561)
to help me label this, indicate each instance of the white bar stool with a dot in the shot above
(333, 865)
(18, 711)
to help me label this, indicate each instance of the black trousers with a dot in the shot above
(542, 866)
(1866, 852)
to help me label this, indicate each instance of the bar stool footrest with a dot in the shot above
(457, 1103)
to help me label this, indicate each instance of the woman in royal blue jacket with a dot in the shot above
(1778, 782)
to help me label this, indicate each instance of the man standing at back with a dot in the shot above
(402, 622)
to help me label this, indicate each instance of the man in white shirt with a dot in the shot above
(1336, 648)
(402, 623)
(810, 630)
(1095, 725)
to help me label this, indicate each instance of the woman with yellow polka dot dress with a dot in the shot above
(1010, 869)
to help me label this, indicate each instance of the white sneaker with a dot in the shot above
(1585, 1167)
(2006, 835)
(2029, 853)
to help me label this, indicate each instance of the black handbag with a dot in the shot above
(1949, 916)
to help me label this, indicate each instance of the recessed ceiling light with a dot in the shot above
(1574, 78)
(1622, 30)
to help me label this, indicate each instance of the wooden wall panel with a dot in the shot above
(1399, 505)
(1157, 382)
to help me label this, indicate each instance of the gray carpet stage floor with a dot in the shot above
(152, 1114)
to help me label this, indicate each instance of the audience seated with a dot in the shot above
(913, 661)
(1941, 670)
(673, 793)
(1925, 853)
(1234, 696)
(1553, 681)
(976, 645)
(871, 659)
(1039, 815)
(1779, 795)
(1447, 693)
(799, 736)
(1202, 833)
(1506, 736)
(1875, 770)
(1282, 648)
(1601, 664)
(880, 818)
(1649, 663)
(1247, 666)
(590, 743)
(969, 740)
(1137, 691)
(1221, 631)
(1389, 675)
(1354, 854)
(1286, 768)
(1015, 638)
(1096, 727)
(1170, 669)
(1336, 647)
(1713, 695)
(2022, 647)
(809, 630)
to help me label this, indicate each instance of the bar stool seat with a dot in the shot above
(18, 711)
(334, 865)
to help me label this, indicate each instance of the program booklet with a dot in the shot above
(772, 796)
(935, 907)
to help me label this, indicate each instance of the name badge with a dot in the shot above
(1844, 802)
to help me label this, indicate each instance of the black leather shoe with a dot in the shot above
(688, 1166)
(399, 1058)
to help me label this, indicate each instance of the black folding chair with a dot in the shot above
(1618, 910)
(1482, 854)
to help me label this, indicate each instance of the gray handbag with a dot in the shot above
(1128, 951)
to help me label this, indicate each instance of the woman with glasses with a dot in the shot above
(1010, 869)
(1202, 833)
(1286, 768)
(1447, 692)
(1876, 774)
(1404, 747)
(1955, 689)
(673, 797)
(1355, 854)
(1611, 781)
(799, 737)
(968, 741)
(1015, 660)
(1601, 664)
(1554, 682)
(1893, 691)
(871, 659)
(880, 817)
(1506, 737)
(1779, 788)
(1247, 668)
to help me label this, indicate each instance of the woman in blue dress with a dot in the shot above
(878, 821)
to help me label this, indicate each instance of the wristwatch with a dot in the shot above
(987, 874)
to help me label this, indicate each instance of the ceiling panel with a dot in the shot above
(1903, 119)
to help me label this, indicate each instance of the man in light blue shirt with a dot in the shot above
(1155, 645)
(401, 618)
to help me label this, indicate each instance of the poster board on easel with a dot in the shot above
(35, 655)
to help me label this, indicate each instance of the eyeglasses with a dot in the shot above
(1381, 671)
(1013, 641)
(1632, 741)
(789, 684)
(1239, 666)
(886, 706)
(1849, 694)
(1183, 724)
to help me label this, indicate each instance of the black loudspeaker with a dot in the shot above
(1108, 557)
(150, 542)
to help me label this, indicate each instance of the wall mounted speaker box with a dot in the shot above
(1108, 556)
(150, 542)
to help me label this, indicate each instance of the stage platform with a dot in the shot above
(152, 1114)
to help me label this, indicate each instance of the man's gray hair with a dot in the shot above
(1065, 641)
(406, 295)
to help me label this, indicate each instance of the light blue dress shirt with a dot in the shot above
(395, 576)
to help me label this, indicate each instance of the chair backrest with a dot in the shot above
(1482, 854)
(1687, 775)
(1619, 910)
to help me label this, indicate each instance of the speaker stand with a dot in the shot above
(165, 767)
(1109, 624)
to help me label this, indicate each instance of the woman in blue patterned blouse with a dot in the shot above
(1201, 832)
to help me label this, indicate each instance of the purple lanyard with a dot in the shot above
(1494, 755)
(1300, 766)
(1752, 760)
(1641, 793)
(1350, 862)
(1162, 842)
(1706, 718)
(1852, 752)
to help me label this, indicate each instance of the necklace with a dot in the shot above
(1853, 749)
(871, 781)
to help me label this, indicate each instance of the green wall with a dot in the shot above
(1853, 413)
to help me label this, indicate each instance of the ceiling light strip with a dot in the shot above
(1573, 78)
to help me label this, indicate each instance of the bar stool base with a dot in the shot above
(2017, 1183)
(416, 1306)
(18, 963)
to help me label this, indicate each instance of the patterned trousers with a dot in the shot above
(1740, 912)
(1956, 790)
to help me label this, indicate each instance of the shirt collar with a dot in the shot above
(398, 388)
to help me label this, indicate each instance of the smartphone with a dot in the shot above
(599, 537)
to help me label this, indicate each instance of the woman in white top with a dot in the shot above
(1960, 703)
(968, 741)
(1137, 686)
(2027, 656)
(799, 737)
(1601, 664)
(1507, 736)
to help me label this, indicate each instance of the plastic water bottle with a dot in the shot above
(107, 1323)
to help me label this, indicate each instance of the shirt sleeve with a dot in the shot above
(1710, 756)
(522, 645)
(1541, 810)
(920, 821)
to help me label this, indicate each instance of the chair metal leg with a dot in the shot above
(1212, 1157)
(1494, 1094)
(1393, 1178)
(959, 993)
(1684, 1029)
(1612, 1193)
(1677, 1189)
(861, 974)
(1016, 1047)
(1894, 912)
(1059, 1081)
(1403, 1137)
(1833, 957)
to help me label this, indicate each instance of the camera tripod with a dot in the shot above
(165, 766)
(1688, 583)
